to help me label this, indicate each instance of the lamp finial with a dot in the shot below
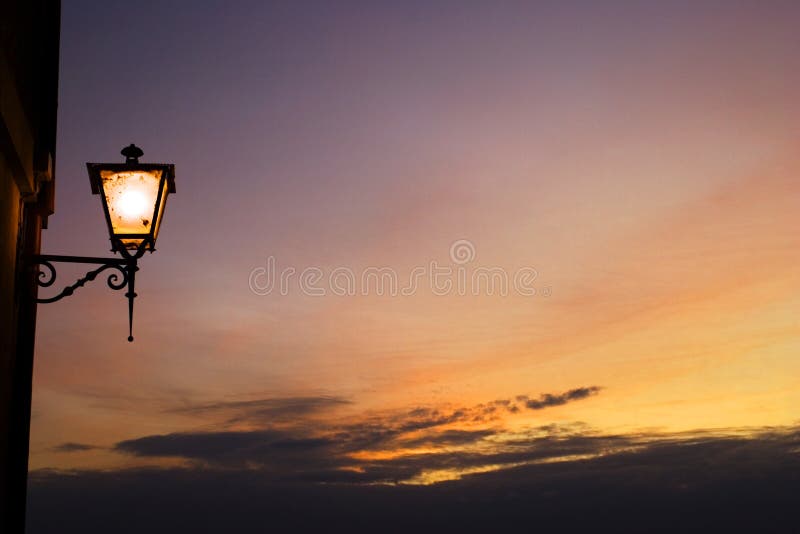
(132, 153)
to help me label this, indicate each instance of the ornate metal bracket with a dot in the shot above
(123, 276)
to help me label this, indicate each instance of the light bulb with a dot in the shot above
(132, 204)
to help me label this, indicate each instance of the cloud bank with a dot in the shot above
(699, 482)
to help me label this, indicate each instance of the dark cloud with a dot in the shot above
(270, 411)
(212, 447)
(448, 438)
(329, 451)
(266, 410)
(546, 400)
(345, 456)
(698, 482)
(73, 447)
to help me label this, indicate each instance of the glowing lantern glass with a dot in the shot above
(134, 197)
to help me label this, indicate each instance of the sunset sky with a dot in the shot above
(641, 157)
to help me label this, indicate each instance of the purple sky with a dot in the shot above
(641, 156)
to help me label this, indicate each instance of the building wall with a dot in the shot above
(9, 226)
(29, 40)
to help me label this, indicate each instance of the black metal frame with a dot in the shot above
(123, 275)
(166, 185)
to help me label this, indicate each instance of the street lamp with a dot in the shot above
(134, 196)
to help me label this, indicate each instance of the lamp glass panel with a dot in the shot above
(160, 211)
(131, 199)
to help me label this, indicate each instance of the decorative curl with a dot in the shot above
(46, 279)
(116, 280)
